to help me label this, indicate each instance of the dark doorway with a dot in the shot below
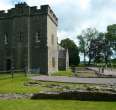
(8, 64)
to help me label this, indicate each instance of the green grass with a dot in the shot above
(16, 85)
(63, 73)
(55, 105)
(78, 74)
(81, 65)
(86, 74)
(20, 84)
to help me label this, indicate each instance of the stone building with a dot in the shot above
(28, 39)
(63, 58)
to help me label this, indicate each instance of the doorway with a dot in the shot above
(8, 64)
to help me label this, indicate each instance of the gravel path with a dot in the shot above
(111, 81)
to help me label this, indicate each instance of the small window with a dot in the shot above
(21, 11)
(53, 62)
(37, 37)
(5, 38)
(20, 36)
(52, 39)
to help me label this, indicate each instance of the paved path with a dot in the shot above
(76, 80)
(106, 71)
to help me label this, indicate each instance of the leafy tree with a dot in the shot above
(82, 47)
(74, 58)
(96, 47)
(111, 36)
(100, 49)
(85, 39)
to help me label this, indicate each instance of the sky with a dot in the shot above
(75, 15)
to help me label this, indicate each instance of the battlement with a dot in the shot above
(21, 5)
(2, 13)
(46, 8)
(22, 9)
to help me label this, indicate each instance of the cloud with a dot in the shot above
(97, 14)
(84, 4)
(4, 4)
(76, 15)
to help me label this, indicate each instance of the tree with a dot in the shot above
(85, 39)
(74, 58)
(82, 47)
(96, 47)
(100, 49)
(111, 36)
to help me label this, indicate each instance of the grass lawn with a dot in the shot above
(21, 84)
(55, 105)
(80, 73)
(86, 74)
(63, 73)
(17, 85)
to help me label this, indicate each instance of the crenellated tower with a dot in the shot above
(23, 25)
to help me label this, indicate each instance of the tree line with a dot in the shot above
(94, 45)
(99, 47)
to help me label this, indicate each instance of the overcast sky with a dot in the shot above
(75, 15)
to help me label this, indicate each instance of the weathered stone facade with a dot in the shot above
(28, 35)
(63, 58)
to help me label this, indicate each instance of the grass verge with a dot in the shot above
(63, 73)
(55, 104)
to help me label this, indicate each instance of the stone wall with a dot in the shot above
(63, 58)
(76, 95)
(20, 24)
(52, 46)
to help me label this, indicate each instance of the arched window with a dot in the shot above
(5, 38)
(52, 39)
(20, 36)
(37, 37)
(53, 62)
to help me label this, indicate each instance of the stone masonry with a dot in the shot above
(28, 32)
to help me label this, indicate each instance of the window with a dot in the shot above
(21, 11)
(53, 62)
(20, 36)
(52, 39)
(37, 37)
(5, 38)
